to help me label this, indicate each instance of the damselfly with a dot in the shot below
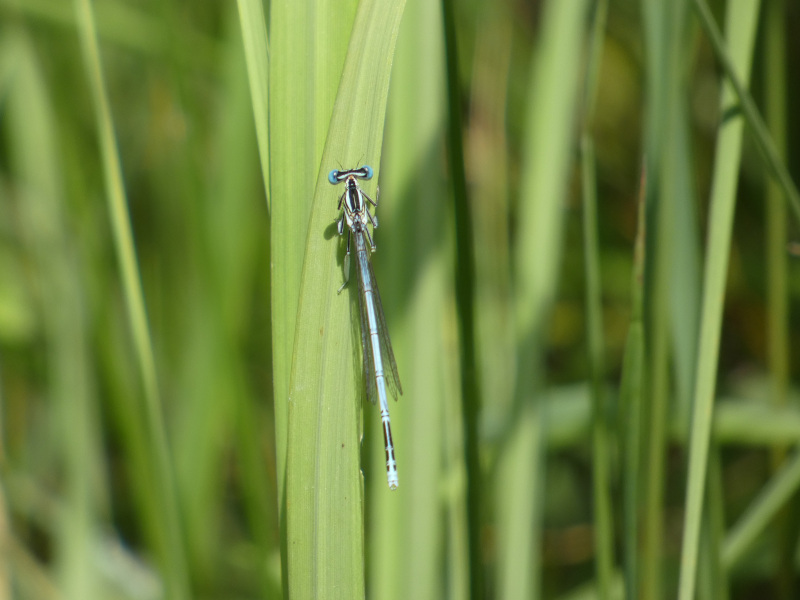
(375, 345)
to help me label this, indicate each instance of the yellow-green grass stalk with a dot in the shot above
(740, 27)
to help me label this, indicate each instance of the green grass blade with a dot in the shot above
(256, 52)
(684, 278)
(742, 18)
(727, 57)
(554, 94)
(45, 231)
(712, 577)
(777, 286)
(518, 513)
(169, 546)
(465, 301)
(225, 243)
(235, 228)
(778, 322)
(630, 401)
(762, 510)
(405, 537)
(307, 49)
(668, 201)
(754, 424)
(324, 485)
(601, 454)
(671, 288)
(549, 135)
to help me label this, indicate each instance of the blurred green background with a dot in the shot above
(134, 475)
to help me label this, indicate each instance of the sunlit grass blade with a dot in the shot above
(168, 545)
(256, 51)
(306, 57)
(741, 26)
(324, 484)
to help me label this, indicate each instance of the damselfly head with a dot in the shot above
(337, 176)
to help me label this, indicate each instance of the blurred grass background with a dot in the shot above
(149, 460)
